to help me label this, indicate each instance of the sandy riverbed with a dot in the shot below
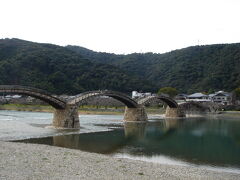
(32, 161)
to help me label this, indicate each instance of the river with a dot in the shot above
(212, 142)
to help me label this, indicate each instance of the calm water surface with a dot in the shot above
(200, 141)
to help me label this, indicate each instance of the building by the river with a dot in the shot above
(136, 94)
(219, 97)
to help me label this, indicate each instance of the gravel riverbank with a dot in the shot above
(31, 161)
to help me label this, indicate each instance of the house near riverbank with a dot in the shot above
(9, 97)
(220, 97)
(136, 94)
(198, 97)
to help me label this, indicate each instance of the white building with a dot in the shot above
(136, 94)
(198, 97)
(8, 97)
(221, 97)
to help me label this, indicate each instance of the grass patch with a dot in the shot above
(86, 109)
(27, 107)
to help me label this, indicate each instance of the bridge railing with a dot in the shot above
(142, 100)
(100, 92)
(88, 94)
(81, 96)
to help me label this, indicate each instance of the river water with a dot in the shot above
(212, 142)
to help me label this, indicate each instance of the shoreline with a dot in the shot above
(38, 161)
(81, 111)
(35, 161)
(98, 111)
(49, 109)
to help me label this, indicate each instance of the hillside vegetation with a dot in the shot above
(60, 70)
(200, 68)
(74, 69)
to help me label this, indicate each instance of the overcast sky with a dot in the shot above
(122, 26)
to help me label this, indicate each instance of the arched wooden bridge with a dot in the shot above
(66, 111)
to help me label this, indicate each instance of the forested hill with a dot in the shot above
(74, 69)
(199, 68)
(60, 70)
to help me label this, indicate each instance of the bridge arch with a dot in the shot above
(34, 92)
(169, 101)
(79, 99)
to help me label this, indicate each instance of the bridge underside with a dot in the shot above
(173, 110)
(129, 104)
(33, 92)
(81, 98)
(171, 103)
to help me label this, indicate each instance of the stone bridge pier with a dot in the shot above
(135, 114)
(67, 117)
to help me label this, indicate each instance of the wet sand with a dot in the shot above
(32, 161)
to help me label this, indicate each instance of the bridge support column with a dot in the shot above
(66, 118)
(135, 114)
(174, 112)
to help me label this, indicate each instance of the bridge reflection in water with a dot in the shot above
(200, 141)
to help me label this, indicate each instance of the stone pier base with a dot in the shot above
(66, 118)
(174, 112)
(135, 114)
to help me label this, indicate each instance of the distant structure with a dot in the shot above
(198, 97)
(136, 94)
(7, 97)
(181, 98)
(220, 97)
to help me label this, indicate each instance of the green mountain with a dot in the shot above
(60, 70)
(74, 69)
(199, 68)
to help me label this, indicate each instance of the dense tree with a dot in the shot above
(237, 92)
(60, 70)
(73, 69)
(193, 69)
(168, 90)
